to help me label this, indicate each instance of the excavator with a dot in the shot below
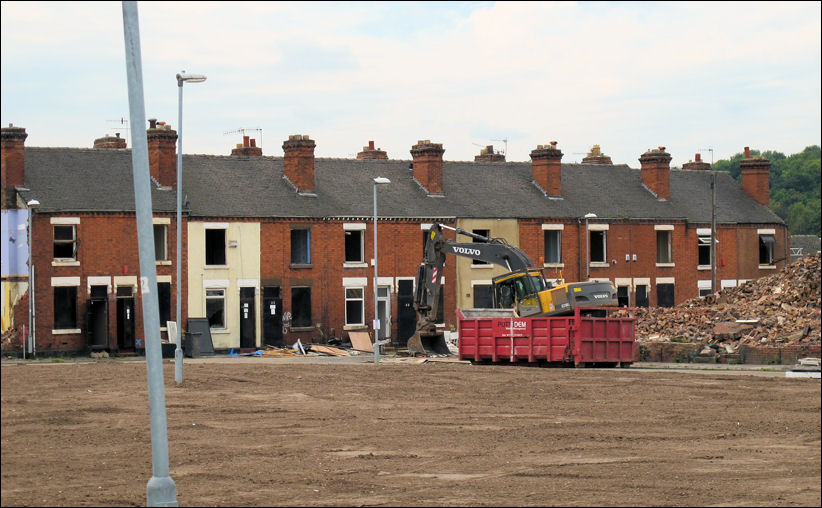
(523, 289)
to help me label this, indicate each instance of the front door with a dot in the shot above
(97, 318)
(665, 295)
(384, 311)
(272, 317)
(642, 295)
(247, 325)
(407, 316)
(125, 318)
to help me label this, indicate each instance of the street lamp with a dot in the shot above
(376, 323)
(588, 215)
(32, 204)
(182, 77)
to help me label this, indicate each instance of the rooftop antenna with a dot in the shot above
(123, 124)
(504, 140)
(242, 131)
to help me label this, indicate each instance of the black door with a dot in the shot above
(642, 296)
(125, 323)
(272, 317)
(623, 296)
(665, 295)
(406, 315)
(247, 339)
(97, 321)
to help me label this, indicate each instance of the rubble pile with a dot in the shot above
(782, 309)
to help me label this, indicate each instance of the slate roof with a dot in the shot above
(77, 179)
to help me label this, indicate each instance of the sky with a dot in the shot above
(708, 78)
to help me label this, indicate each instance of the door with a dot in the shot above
(247, 324)
(97, 318)
(665, 295)
(642, 296)
(125, 318)
(407, 316)
(384, 311)
(272, 317)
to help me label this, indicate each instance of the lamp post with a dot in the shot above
(182, 77)
(32, 204)
(588, 245)
(376, 323)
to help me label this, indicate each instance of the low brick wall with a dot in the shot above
(686, 352)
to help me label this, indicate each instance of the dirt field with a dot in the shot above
(276, 433)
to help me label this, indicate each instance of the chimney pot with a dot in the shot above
(253, 142)
(370, 145)
(747, 152)
(245, 140)
(698, 158)
(152, 123)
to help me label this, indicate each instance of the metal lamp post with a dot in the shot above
(376, 323)
(588, 245)
(182, 77)
(32, 204)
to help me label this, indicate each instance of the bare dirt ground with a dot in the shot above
(354, 434)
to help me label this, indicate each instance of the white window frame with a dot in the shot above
(215, 225)
(604, 229)
(220, 297)
(760, 233)
(73, 222)
(668, 230)
(349, 228)
(350, 325)
(550, 228)
(164, 243)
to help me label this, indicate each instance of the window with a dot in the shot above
(65, 307)
(215, 246)
(766, 243)
(300, 307)
(161, 242)
(597, 244)
(704, 250)
(354, 246)
(482, 232)
(215, 306)
(65, 241)
(663, 247)
(354, 306)
(300, 246)
(164, 302)
(553, 243)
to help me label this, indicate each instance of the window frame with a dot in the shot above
(352, 299)
(546, 239)
(664, 247)
(58, 323)
(162, 245)
(482, 232)
(603, 243)
(61, 242)
(294, 309)
(306, 244)
(767, 249)
(209, 229)
(218, 295)
(350, 231)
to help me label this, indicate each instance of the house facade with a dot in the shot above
(281, 248)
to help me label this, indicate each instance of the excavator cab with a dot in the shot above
(520, 290)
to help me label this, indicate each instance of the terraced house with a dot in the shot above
(280, 248)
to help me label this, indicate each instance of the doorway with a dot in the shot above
(97, 318)
(125, 317)
(247, 321)
(384, 311)
(406, 315)
(272, 317)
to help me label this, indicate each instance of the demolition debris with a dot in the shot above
(778, 310)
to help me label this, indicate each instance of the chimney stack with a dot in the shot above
(248, 148)
(107, 142)
(756, 172)
(487, 155)
(595, 156)
(546, 168)
(428, 165)
(298, 162)
(13, 163)
(162, 153)
(656, 172)
(369, 152)
(697, 164)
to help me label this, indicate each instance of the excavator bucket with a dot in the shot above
(428, 344)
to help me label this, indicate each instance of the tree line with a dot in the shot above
(795, 186)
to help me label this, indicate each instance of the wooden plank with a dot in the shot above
(333, 351)
(361, 341)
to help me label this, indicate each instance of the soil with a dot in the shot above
(293, 433)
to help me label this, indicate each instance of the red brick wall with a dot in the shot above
(108, 247)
